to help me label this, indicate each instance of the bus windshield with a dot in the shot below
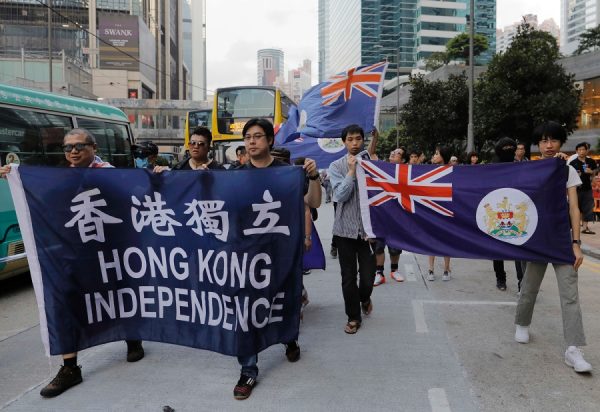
(199, 118)
(236, 107)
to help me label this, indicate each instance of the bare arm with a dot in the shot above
(307, 227)
(373, 143)
(313, 197)
(575, 216)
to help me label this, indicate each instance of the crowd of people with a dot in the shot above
(361, 260)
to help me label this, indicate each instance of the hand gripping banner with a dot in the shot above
(209, 259)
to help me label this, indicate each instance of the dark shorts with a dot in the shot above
(586, 205)
(380, 248)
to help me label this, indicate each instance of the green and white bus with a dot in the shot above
(32, 126)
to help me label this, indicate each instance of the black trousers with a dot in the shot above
(501, 274)
(351, 251)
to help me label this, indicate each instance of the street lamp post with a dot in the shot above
(397, 97)
(50, 44)
(470, 138)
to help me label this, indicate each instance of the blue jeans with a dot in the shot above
(249, 365)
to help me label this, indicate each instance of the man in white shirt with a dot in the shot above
(550, 136)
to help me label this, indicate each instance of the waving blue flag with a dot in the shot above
(508, 211)
(322, 151)
(349, 97)
(209, 259)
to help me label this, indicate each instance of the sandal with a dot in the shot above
(367, 307)
(352, 327)
(588, 232)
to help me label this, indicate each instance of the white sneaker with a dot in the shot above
(446, 275)
(397, 276)
(431, 276)
(522, 334)
(379, 279)
(574, 358)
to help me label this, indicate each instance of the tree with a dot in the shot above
(589, 40)
(523, 87)
(436, 60)
(436, 112)
(458, 47)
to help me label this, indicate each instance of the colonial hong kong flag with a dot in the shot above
(509, 211)
(349, 97)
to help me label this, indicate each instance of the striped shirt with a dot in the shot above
(347, 222)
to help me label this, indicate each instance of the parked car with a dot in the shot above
(171, 159)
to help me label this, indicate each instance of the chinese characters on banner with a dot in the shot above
(204, 259)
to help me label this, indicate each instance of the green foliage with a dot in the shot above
(589, 40)
(436, 60)
(436, 113)
(458, 47)
(523, 87)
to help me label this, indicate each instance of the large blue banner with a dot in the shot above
(512, 211)
(209, 259)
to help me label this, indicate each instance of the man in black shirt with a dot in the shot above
(585, 167)
(258, 140)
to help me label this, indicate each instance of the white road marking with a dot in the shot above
(409, 271)
(419, 313)
(418, 306)
(438, 400)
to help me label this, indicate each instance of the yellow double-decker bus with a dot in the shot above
(234, 106)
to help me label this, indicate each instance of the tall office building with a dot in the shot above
(505, 36)
(194, 46)
(354, 32)
(576, 16)
(270, 66)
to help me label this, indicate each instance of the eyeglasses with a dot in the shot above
(196, 143)
(256, 136)
(78, 146)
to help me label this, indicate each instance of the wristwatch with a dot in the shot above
(578, 242)
(314, 177)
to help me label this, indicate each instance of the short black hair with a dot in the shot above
(583, 144)
(549, 129)
(203, 131)
(240, 150)
(281, 153)
(264, 124)
(415, 152)
(471, 154)
(445, 152)
(353, 128)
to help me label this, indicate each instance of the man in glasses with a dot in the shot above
(80, 147)
(258, 139)
(199, 144)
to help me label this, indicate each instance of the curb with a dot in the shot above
(595, 253)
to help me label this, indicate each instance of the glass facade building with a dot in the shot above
(353, 32)
(576, 17)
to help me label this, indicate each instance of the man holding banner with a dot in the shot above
(80, 148)
(349, 233)
(259, 137)
(550, 136)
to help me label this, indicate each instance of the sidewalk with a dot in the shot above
(590, 244)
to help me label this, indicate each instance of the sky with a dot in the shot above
(236, 29)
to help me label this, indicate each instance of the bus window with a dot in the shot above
(286, 104)
(27, 136)
(112, 141)
(236, 107)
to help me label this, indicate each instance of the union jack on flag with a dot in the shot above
(365, 79)
(408, 187)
